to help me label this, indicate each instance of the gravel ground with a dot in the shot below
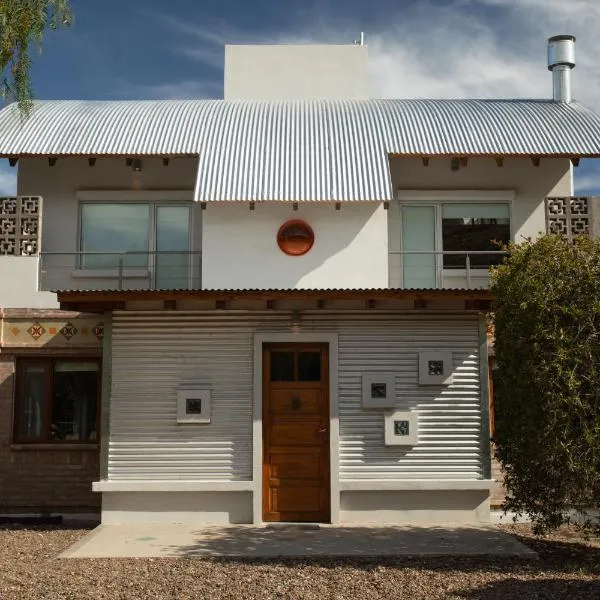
(569, 567)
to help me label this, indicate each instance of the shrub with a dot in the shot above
(547, 391)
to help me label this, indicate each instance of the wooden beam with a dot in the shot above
(13, 160)
(321, 304)
(386, 205)
(419, 303)
(170, 304)
(270, 304)
(371, 303)
(575, 161)
(221, 304)
(92, 161)
(203, 205)
(454, 164)
(52, 160)
(165, 162)
(536, 161)
(500, 161)
(128, 162)
(295, 206)
(464, 161)
(251, 206)
(338, 206)
(425, 160)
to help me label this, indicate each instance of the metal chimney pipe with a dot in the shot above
(561, 59)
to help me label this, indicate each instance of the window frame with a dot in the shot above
(437, 199)
(48, 362)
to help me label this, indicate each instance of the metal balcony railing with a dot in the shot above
(183, 270)
(166, 270)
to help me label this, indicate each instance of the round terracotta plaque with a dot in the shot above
(295, 237)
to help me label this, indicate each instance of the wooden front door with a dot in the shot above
(296, 432)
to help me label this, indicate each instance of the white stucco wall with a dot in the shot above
(239, 246)
(19, 284)
(296, 72)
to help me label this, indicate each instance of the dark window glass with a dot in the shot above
(57, 400)
(74, 397)
(33, 399)
(474, 234)
(309, 366)
(282, 366)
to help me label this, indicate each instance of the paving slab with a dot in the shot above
(157, 540)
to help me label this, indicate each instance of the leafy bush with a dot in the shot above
(547, 390)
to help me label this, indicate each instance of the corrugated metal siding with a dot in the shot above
(152, 352)
(309, 150)
(449, 416)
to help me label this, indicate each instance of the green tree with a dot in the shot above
(23, 23)
(547, 328)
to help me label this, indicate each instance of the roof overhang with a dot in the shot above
(108, 300)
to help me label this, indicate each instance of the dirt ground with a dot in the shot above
(568, 567)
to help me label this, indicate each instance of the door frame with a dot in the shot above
(257, 426)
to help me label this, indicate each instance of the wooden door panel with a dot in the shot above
(295, 435)
(296, 402)
(294, 466)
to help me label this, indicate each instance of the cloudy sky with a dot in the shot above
(126, 49)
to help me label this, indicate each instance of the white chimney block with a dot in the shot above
(561, 60)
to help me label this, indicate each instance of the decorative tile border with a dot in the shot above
(88, 332)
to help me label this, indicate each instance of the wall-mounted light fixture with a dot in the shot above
(136, 165)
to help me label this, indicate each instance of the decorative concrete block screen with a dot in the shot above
(20, 226)
(568, 216)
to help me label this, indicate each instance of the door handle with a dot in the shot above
(323, 430)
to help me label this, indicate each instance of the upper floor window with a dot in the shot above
(441, 238)
(57, 400)
(138, 235)
(480, 227)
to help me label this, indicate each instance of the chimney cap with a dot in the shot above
(562, 38)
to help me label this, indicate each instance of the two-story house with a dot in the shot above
(290, 286)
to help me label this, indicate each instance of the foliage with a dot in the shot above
(23, 22)
(547, 392)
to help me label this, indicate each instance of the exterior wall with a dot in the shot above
(60, 184)
(19, 275)
(43, 477)
(240, 246)
(296, 72)
(149, 453)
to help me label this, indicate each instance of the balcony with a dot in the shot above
(120, 271)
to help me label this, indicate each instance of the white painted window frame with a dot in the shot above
(334, 425)
(436, 199)
(155, 199)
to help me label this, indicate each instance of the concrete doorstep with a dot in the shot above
(248, 541)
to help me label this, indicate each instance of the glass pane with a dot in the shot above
(74, 401)
(418, 234)
(172, 247)
(114, 228)
(483, 211)
(309, 366)
(282, 366)
(482, 227)
(31, 400)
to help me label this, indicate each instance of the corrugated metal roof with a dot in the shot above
(309, 150)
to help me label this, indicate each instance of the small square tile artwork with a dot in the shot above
(378, 390)
(401, 427)
(193, 406)
(436, 367)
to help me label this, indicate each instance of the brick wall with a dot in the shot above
(41, 479)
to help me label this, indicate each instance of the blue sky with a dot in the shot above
(434, 48)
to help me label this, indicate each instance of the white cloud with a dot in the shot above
(8, 179)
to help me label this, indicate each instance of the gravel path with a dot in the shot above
(569, 567)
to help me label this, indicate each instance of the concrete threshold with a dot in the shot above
(247, 541)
